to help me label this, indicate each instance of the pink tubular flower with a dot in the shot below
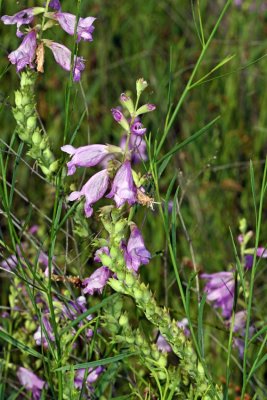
(31, 382)
(55, 4)
(138, 129)
(239, 329)
(40, 337)
(163, 345)
(63, 57)
(102, 250)
(261, 252)
(93, 374)
(97, 281)
(135, 253)
(137, 146)
(123, 188)
(93, 191)
(23, 17)
(85, 26)
(85, 156)
(25, 53)
(220, 290)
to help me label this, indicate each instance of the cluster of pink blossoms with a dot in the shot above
(31, 51)
(115, 181)
(221, 288)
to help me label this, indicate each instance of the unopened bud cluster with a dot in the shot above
(128, 283)
(27, 125)
(118, 323)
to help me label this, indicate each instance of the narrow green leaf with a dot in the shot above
(191, 139)
(92, 364)
(9, 339)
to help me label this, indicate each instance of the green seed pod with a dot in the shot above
(116, 285)
(54, 166)
(25, 100)
(30, 326)
(36, 137)
(162, 361)
(31, 123)
(44, 169)
(123, 321)
(18, 98)
(18, 115)
(138, 294)
(43, 144)
(129, 279)
(106, 260)
(161, 375)
(115, 252)
(48, 155)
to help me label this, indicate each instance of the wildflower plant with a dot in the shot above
(82, 315)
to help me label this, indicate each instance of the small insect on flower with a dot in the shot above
(40, 52)
(74, 280)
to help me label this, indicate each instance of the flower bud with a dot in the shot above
(141, 85)
(31, 123)
(106, 260)
(54, 166)
(36, 137)
(18, 98)
(116, 285)
(129, 279)
(25, 100)
(115, 252)
(138, 294)
(48, 155)
(161, 375)
(127, 102)
(44, 169)
(123, 321)
(120, 118)
(162, 361)
(145, 109)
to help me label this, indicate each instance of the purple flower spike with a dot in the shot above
(23, 17)
(31, 382)
(86, 156)
(93, 191)
(63, 57)
(123, 188)
(85, 26)
(135, 253)
(138, 129)
(97, 281)
(91, 378)
(25, 53)
(220, 291)
(55, 4)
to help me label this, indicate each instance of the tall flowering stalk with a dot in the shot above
(29, 59)
(121, 258)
